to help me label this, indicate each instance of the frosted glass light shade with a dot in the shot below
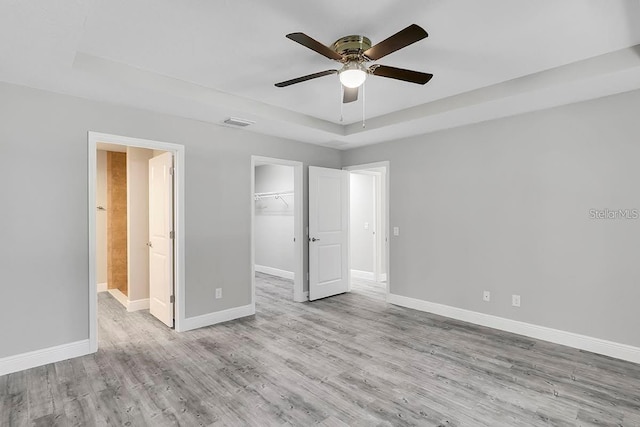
(352, 75)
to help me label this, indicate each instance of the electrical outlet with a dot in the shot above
(486, 296)
(396, 231)
(366, 225)
(515, 300)
(218, 293)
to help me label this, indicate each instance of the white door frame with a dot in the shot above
(298, 196)
(383, 239)
(93, 138)
(376, 215)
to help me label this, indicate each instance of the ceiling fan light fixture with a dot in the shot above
(353, 74)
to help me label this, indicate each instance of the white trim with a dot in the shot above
(92, 177)
(218, 317)
(29, 360)
(102, 287)
(120, 297)
(359, 274)
(130, 305)
(570, 339)
(178, 151)
(137, 305)
(383, 277)
(298, 224)
(275, 272)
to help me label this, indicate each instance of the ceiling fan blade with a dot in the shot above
(349, 94)
(401, 74)
(315, 45)
(305, 78)
(403, 38)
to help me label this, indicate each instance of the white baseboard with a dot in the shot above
(118, 295)
(383, 277)
(139, 304)
(29, 360)
(102, 287)
(275, 272)
(135, 305)
(570, 339)
(218, 317)
(359, 274)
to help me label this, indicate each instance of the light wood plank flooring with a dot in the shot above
(374, 290)
(347, 360)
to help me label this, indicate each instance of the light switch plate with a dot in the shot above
(396, 231)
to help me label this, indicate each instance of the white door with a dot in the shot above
(328, 232)
(161, 238)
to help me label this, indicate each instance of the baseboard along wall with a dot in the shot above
(139, 304)
(120, 297)
(570, 339)
(135, 305)
(32, 359)
(275, 271)
(359, 274)
(218, 317)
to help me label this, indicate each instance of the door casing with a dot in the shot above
(298, 193)
(386, 239)
(178, 151)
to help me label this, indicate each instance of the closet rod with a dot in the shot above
(274, 193)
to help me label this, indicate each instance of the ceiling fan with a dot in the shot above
(354, 51)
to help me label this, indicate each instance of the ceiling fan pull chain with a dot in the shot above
(363, 101)
(341, 103)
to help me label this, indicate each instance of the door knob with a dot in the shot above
(314, 239)
(149, 244)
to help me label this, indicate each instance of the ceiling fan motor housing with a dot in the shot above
(351, 47)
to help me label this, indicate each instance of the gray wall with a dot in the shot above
(274, 227)
(44, 255)
(361, 211)
(504, 206)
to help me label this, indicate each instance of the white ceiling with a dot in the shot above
(210, 60)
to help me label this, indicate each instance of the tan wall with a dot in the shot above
(117, 221)
(138, 213)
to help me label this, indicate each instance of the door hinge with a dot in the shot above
(172, 170)
(171, 235)
(172, 299)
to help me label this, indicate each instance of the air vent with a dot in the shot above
(234, 121)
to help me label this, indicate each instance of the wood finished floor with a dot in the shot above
(347, 360)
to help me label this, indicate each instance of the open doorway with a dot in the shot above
(368, 237)
(276, 228)
(125, 254)
(135, 226)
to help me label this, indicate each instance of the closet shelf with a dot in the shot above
(273, 194)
